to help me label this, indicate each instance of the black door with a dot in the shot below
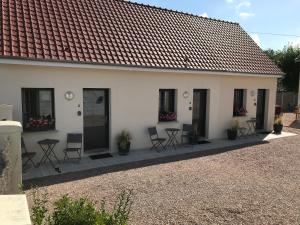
(260, 108)
(95, 119)
(199, 111)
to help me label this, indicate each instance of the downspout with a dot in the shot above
(297, 60)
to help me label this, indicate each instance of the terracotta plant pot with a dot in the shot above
(277, 128)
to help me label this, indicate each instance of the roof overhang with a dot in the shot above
(85, 65)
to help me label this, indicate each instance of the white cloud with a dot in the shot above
(246, 15)
(204, 14)
(242, 8)
(295, 43)
(256, 38)
(243, 4)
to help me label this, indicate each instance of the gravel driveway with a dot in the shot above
(253, 185)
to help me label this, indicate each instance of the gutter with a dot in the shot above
(90, 65)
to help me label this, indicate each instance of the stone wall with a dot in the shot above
(10, 157)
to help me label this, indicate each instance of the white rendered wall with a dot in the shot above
(134, 99)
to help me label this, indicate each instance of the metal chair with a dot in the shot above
(187, 130)
(74, 145)
(242, 132)
(26, 155)
(155, 139)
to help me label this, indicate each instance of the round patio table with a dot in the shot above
(48, 145)
(172, 133)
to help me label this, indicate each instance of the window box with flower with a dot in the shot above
(240, 111)
(167, 105)
(167, 116)
(38, 109)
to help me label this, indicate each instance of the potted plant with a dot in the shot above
(233, 131)
(278, 125)
(123, 140)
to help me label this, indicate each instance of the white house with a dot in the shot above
(98, 67)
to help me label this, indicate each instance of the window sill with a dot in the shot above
(167, 122)
(40, 131)
(239, 116)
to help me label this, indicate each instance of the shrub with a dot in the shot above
(278, 120)
(39, 209)
(69, 211)
(235, 125)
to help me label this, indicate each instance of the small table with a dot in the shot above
(252, 126)
(172, 133)
(48, 145)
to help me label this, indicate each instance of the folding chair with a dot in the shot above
(74, 145)
(242, 132)
(155, 139)
(26, 155)
(187, 130)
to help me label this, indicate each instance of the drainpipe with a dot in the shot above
(297, 60)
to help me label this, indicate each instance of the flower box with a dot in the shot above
(170, 116)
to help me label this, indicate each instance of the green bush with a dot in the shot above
(69, 211)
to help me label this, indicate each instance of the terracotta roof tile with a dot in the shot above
(125, 33)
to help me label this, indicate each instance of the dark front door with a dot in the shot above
(95, 119)
(199, 112)
(260, 108)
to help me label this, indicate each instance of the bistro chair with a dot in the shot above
(187, 130)
(156, 141)
(74, 145)
(242, 132)
(27, 157)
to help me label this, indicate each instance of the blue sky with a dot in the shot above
(255, 16)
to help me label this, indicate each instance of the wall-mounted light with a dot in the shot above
(69, 95)
(186, 94)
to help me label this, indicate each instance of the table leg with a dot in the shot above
(53, 153)
(169, 138)
(173, 140)
(48, 150)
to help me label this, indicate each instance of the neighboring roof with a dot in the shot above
(118, 32)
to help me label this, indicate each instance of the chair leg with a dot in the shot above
(161, 145)
(66, 156)
(33, 163)
(26, 163)
(79, 154)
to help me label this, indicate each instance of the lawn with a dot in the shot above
(252, 185)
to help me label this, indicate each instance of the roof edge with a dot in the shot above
(175, 11)
(91, 65)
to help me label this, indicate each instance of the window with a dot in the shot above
(239, 103)
(167, 105)
(38, 109)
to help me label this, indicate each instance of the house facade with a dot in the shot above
(140, 67)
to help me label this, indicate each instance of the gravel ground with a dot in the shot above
(252, 185)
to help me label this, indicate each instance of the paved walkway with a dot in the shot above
(139, 158)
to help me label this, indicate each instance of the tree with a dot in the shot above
(285, 60)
